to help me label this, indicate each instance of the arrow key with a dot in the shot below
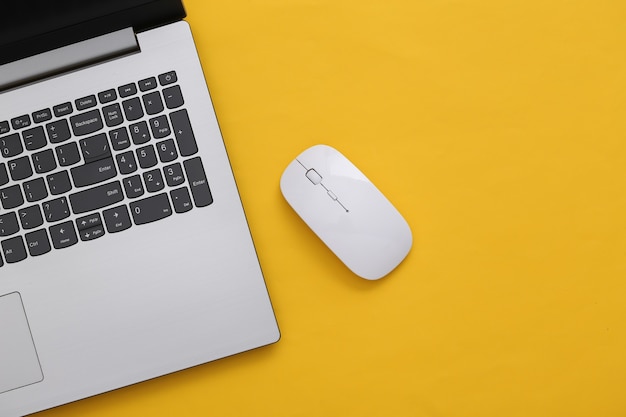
(63, 235)
(92, 233)
(117, 219)
(87, 222)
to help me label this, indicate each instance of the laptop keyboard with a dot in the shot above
(86, 157)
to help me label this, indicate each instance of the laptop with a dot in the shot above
(125, 251)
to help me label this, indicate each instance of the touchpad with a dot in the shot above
(19, 364)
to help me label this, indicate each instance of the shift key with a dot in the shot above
(97, 197)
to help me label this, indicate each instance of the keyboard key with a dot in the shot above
(146, 157)
(160, 127)
(133, 186)
(107, 96)
(97, 197)
(113, 115)
(153, 103)
(117, 219)
(139, 133)
(95, 148)
(4, 127)
(183, 132)
(11, 145)
(148, 84)
(20, 122)
(119, 139)
(58, 131)
(87, 222)
(198, 182)
(42, 116)
(63, 109)
(86, 102)
(59, 182)
(91, 234)
(14, 249)
(34, 138)
(35, 190)
(132, 109)
(11, 197)
(168, 78)
(20, 168)
(93, 172)
(173, 97)
(151, 209)
(4, 176)
(174, 175)
(181, 200)
(167, 150)
(30, 217)
(154, 180)
(37, 242)
(63, 235)
(86, 123)
(68, 154)
(8, 224)
(126, 162)
(127, 90)
(55, 210)
(44, 161)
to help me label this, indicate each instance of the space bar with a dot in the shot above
(97, 197)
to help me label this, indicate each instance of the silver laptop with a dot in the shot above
(125, 252)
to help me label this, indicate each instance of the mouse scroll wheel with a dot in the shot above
(313, 176)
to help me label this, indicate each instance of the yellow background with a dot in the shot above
(498, 129)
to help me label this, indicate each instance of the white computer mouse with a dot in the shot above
(344, 209)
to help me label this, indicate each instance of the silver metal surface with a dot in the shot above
(153, 299)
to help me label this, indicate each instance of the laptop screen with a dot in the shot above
(28, 27)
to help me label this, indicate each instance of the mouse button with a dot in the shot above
(313, 176)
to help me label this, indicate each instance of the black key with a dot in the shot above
(127, 90)
(58, 131)
(97, 197)
(119, 138)
(68, 154)
(168, 78)
(198, 182)
(113, 115)
(87, 222)
(154, 180)
(55, 210)
(181, 200)
(4, 176)
(148, 84)
(44, 161)
(8, 224)
(35, 190)
(4, 127)
(93, 172)
(140, 133)
(37, 242)
(107, 96)
(11, 197)
(11, 145)
(126, 162)
(95, 148)
(146, 157)
(63, 109)
(173, 97)
(13, 249)
(153, 102)
(20, 122)
(42, 116)
(86, 102)
(133, 186)
(86, 123)
(167, 150)
(30, 217)
(63, 235)
(117, 219)
(151, 209)
(59, 183)
(184, 134)
(91, 234)
(174, 174)
(34, 138)
(160, 127)
(132, 109)
(20, 168)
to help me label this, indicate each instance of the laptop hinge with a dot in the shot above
(78, 55)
